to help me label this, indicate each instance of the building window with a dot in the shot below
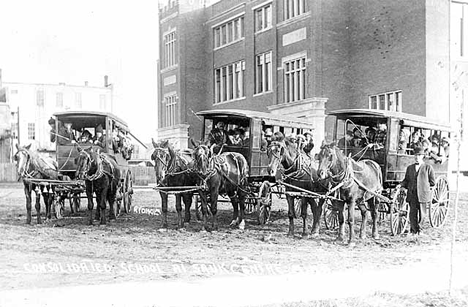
(40, 98)
(263, 18)
(102, 102)
(228, 32)
(294, 79)
(293, 8)
(229, 82)
(59, 100)
(390, 101)
(31, 131)
(169, 50)
(78, 103)
(263, 73)
(170, 110)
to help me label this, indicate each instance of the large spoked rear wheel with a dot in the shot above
(264, 203)
(438, 208)
(399, 212)
(127, 192)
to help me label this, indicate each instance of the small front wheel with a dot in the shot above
(264, 203)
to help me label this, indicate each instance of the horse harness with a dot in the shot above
(298, 163)
(100, 169)
(35, 170)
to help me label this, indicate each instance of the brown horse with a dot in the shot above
(30, 165)
(102, 178)
(358, 182)
(299, 171)
(174, 169)
(225, 173)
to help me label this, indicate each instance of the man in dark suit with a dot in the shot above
(419, 179)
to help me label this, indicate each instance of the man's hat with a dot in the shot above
(308, 133)
(99, 129)
(418, 151)
(446, 139)
(51, 121)
(268, 132)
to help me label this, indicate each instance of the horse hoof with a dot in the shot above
(376, 237)
(339, 239)
(291, 234)
(242, 225)
(233, 223)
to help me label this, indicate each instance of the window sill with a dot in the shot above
(263, 30)
(294, 19)
(228, 101)
(263, 93)
(228, 44)
(169, 68)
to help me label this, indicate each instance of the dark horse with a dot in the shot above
(358, 182)
(174, 169)
(225, 173)
(299, 171)
(30, 165)
(102, 177)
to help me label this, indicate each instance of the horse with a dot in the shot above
(358, 184)
(102, 178)
(224, 173)
(174, 169)
(30, 165)
(300, 172)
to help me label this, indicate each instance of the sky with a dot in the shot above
(51, 41)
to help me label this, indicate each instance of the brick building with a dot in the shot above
(302, 58)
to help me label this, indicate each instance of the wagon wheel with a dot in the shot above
(439, 205)
(297, 207)
(250, 204)
(264, 202)
(59, 206)
(197, 207)
(399, 212)
(76, 202)
(127, 192)
(330, 215)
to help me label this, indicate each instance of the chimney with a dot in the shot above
(106, 81)
(86, 83)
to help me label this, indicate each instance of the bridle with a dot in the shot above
(341, 177)
(24, 173)
(204, 161)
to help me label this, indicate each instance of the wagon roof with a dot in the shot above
(408, 119)
(268, 118)
(83, 116)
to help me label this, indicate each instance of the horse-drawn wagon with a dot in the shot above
(82, 138)
(389, 138)
(239, 156)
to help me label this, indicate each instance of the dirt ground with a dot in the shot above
(69, 253)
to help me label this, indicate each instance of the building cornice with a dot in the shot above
(58, 85)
